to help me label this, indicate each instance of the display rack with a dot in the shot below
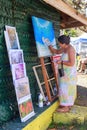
(19, 75)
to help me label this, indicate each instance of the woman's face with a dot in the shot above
(62, 45)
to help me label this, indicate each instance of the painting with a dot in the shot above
(26, 109)
(43, 30)
(11, 38)
(22, 88)
(16, 56)
(18, 71)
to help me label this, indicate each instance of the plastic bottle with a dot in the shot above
(40, 100)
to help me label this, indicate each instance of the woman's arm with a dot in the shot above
(49, 44)
(55, 51)
(71, 58)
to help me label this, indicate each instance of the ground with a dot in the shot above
(81, 101)
(81, 89)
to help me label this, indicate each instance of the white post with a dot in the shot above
(86, 11)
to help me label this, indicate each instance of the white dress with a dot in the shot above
(67, 84)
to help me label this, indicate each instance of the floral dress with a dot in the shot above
(67, 84)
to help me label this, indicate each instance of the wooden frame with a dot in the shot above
(47, 81)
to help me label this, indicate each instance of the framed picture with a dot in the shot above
(11, 37)
(10, 27)
(16, 56)
(18, 71)
(43, 30)
(22, 88)
(26, 109)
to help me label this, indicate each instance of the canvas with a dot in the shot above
(43, 29)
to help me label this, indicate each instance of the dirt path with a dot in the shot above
(81, 90)
(82, 80)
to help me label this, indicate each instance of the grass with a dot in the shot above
(61, 126)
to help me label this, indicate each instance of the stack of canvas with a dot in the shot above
(18, 69)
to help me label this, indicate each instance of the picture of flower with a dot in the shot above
(26, 109)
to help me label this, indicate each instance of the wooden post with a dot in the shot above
(45, 78)
(55, 75)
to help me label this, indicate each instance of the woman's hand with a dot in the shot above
(46, 41)
(57, 61)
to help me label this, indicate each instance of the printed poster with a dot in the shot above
(43, 29)
(16, 56)
(22, 88)
(26, 109)
(18, 71)
(11, 37)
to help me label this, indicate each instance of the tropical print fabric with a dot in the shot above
(67, 84)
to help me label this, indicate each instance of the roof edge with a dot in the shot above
(67, 9)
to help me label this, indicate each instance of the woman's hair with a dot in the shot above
(64, 39)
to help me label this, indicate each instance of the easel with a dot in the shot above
(46, 80)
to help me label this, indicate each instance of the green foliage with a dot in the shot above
(52, 125)
(79, 5)
(6, 112)
(61, 126)
(71, 32)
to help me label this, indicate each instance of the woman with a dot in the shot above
(67, 83)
